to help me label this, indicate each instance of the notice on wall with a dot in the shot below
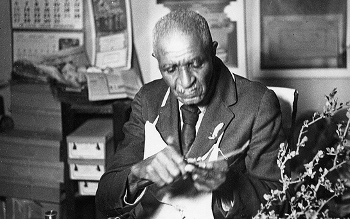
(47, 14)
(110, 33)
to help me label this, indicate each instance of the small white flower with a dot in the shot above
(216, 131)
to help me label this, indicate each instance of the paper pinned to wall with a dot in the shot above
(109, 33)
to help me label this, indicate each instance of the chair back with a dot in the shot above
(288, 98)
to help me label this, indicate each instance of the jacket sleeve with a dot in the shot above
(256, 173)
(112, 185)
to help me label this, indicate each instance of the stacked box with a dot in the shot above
(33, 107)
(88, 187)
(89, 148)
(30, 167)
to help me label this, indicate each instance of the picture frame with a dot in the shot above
(325, 53)
(302, 41)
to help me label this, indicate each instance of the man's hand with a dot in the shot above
(168, 165)
(161, 169)
(208, 176)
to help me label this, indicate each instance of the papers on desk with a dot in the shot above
(119, 85)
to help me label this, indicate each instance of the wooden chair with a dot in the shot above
(288, 98)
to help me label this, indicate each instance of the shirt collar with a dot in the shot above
(201, 108)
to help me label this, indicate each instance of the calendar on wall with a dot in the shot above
(102, 28)
(47, 14)
(45, 27)
(33, 46)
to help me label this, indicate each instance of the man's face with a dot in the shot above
(186, 67)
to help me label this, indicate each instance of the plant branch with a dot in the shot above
(346, 128)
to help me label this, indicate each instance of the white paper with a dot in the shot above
(112, 86)
(197, 206)
(194, 207)
(153, 141)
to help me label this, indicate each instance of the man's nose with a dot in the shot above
(186, 77)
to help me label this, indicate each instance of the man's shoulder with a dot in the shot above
(157, 86)
(254, 91)
(241, 83)
(153, 92)
(249, 86)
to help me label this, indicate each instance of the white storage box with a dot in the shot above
(88, 187)
(86, 169)
(92, 140)
(89, 148)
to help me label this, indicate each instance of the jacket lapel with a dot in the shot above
(168, 122)
(218, 111)
(214, 115)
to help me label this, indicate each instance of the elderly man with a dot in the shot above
(201, 142)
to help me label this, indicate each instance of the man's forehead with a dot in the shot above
(177, 40)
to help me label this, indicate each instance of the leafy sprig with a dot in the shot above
(314, 187)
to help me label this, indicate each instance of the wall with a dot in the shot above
(5, 49)
(145, 14)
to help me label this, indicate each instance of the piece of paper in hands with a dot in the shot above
(196, 206)
(153, 141)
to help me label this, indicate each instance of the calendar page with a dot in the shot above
(47, 14)
(33, 46)
(109, 38)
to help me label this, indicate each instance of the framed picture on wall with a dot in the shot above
(307, 38)
(303, 34)
(303, 41)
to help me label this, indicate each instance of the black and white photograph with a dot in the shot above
(174, 109)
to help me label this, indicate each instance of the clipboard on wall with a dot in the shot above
(109, 33)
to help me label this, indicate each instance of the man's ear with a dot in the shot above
(214, 47)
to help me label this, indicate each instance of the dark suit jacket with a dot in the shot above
(249, 111)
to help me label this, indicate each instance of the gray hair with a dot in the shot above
(185, 21)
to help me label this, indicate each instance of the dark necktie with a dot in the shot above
(190, 115)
